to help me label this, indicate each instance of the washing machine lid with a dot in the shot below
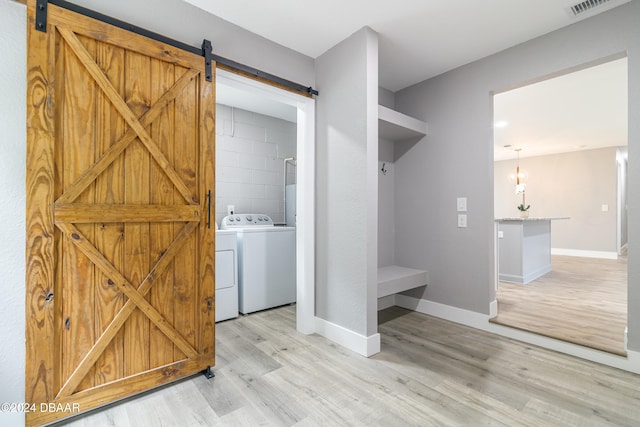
(236, 221)
(225, 232)
(263, 230)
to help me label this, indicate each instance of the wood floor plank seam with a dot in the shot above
(430, 372)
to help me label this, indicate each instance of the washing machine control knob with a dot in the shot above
(248, 218)
(230, 219)
(237, 218)
(259, 218)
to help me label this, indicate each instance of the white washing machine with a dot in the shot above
(266, 261)
(226, 275)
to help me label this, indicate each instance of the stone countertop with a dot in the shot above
(533, 218)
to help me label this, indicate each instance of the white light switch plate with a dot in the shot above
(605, 208)
(462, 221)
(462, 204)
(500, 234)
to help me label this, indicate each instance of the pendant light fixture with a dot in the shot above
(520, 184)
(520, 188)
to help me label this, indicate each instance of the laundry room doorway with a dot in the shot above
(288, 192)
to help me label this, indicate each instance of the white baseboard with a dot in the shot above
(524, 280)
(624, 249)
(626, 338)
(386, 302)
(366, 346)
(493, 309)
(584, 254)
(631, 363)
(454, 314)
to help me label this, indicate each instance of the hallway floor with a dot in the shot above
(582, 301)
(429, 372)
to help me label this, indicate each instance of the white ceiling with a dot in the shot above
(418, 39)
(583, 110)
(253, 101)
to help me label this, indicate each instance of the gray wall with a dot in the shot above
(186, 23)
(456, 158)
(386, 204)
(453, 160)
(346, 249)
(250, 162)
(386, 211)
(574, 184)
(386, 98)
(12, 205)
(386, 192)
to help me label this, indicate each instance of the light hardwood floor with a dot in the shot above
(582, 301)
(429, 372)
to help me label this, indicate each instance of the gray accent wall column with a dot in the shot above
(372, 94)
(347, 184)
(456, 158)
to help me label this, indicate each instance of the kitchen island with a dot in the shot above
(524, 248)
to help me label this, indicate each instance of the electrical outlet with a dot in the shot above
(231, 209)
(462, 221)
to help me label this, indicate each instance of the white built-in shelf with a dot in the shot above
(393, 279)
(395, 126)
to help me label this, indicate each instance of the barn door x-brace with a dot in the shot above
(120, 291)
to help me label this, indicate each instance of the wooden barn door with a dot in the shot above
(120, 251)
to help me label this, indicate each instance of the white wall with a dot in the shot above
(12, 205)
(250, 155)
(347, 158)
(456, 158)
(574, 185)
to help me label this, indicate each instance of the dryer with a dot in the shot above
(226, 275)
(266, 261)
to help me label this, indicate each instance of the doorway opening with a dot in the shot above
(563, 142)
(297, 164)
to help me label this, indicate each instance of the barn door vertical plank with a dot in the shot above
(57, 50)
(186, 164)
(206, 297)
(162, 234)
(78, 148)
(110, 127)
(40, 192)
(136, 235)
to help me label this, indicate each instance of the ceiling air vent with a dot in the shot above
(586, 5)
